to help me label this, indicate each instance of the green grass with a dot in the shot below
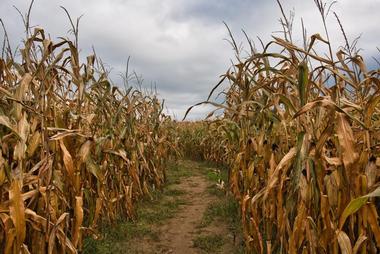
(176, 172)
(226, 209)
(213, 172)
(158, 213)
(209, 243)
(213, 176)
(115, 237)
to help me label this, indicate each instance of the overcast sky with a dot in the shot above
(178, 45)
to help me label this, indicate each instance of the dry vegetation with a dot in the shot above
(75, 150)
(300, 133)
(209, 141)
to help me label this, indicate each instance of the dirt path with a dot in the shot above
(179, 232)
(192, 215)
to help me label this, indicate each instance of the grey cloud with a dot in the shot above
(178, 44)
(216, 11)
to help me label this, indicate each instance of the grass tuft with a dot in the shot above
(209, 243)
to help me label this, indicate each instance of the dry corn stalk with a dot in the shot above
(305, 164)
(75, 150)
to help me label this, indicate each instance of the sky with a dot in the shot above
(179, 46)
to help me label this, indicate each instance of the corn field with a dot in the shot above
(207, 140)
(300, 133)
(75, 150)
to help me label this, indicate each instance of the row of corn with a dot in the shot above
(300, 133)
(75, 151)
